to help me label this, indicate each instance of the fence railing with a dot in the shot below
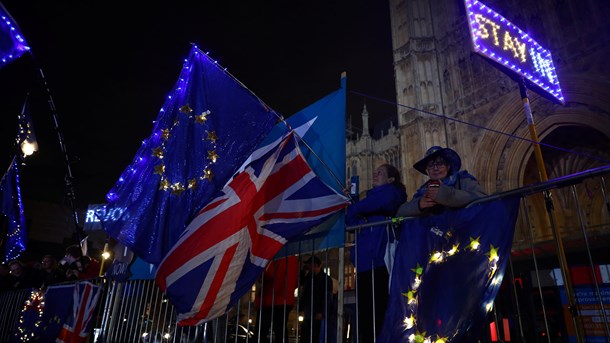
(137, 311)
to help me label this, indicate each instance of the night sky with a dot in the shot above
(110, 67)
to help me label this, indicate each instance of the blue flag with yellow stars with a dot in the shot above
(12, 43)
(208, 126)
(12, 207)
(447, 271)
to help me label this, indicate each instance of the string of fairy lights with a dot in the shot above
(20, 46)
(178, 187)
(438, 257)
(35, 302)
(15, 244)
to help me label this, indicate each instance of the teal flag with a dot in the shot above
(321, 126)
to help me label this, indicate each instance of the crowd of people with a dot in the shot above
(73, 266)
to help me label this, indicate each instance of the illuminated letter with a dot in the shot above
(483, 33)
(522, 49)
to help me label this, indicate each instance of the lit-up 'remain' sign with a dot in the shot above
(92, 216)
(499, 40)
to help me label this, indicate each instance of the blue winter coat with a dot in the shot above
(380, 203)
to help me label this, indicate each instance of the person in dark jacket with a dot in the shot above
(368, 254)
(24, 277)
(315, 301)
(448, 186)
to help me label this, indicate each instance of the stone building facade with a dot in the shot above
(365, 153)
(450, 96)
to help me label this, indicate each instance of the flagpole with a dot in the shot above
(69, 178)
(548, 199)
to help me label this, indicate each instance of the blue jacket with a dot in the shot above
(380, 203)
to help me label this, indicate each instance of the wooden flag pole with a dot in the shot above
(548, 198)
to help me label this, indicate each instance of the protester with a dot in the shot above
(368, 254)
(79, 267)
(447, 185)
(315, 300)
(24, 277)
(50, 272)
(279, 280)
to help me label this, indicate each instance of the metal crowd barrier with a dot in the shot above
(137, 311)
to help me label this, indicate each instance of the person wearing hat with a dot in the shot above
(368, 254)
(448, 186)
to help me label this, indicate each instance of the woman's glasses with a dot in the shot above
(438, 164)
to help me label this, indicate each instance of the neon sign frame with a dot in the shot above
(497, 39)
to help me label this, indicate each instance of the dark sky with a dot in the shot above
(109, 68)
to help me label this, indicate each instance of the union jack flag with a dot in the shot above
(232, 239)
(75, 330)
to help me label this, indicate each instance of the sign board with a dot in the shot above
(499, 40)
(92, 221)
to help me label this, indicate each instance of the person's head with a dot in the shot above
(438, 163)
(48, 262)
(313, 264)
(386, 173)
(73, 253)
(16, 268)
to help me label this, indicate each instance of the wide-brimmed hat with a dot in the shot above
(451, 157)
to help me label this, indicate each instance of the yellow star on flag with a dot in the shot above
(202, 117)
(493, 253)
(164, 184)
(474, 243)
(186, 109)
(177, 188)
(212, 155)
(158, 152)
(160, 169)
(418, 270)
(212, 136)
(165, 134)
(192, 183)
(207, 174)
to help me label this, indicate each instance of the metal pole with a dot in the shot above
(548, 197)
(516, 297)
(537, 270)
(69, 178)
(591, 264)
(340, 295)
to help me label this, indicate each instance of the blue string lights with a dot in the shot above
(13, 44)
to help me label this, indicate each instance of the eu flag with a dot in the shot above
(12, 207)
(12, 43)
(206, 129)
(447, 271)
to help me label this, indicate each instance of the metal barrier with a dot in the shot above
(136, 310)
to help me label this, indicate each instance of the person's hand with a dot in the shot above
(431, 193)
(425, 202)
(347, 191)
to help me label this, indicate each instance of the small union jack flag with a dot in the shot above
(85, 300)
(230, 242)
